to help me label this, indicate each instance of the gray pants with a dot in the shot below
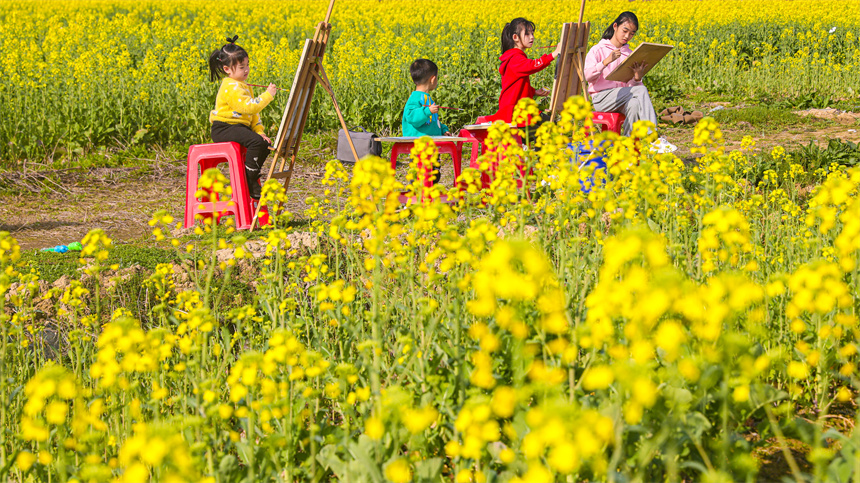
(634, 102)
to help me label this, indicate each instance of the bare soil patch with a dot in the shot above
(766, 139)
(120, 202)
(842, 117)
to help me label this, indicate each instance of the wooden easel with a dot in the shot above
(570, 74)
(309, 73)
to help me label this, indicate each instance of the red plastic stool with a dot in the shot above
(448, 147)
(204, 156)
(478, 138)
(612, 120)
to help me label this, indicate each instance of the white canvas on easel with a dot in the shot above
(298, 93)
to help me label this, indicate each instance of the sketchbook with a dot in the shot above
(645, 52)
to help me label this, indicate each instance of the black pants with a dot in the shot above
(531, 131)
(255, 156)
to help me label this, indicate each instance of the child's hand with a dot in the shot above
(542, 92)
(612, 57)
(266, 138)
(272, 90)
(639, 70)
(434, 108)
(447, 133)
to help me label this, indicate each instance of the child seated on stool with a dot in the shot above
(630, 98)
(421, 114)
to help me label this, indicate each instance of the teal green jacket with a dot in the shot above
(417, 118)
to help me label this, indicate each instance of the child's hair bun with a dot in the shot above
(227, 55)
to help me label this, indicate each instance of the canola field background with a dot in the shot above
(90, 73)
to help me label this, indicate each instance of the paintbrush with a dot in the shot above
(451, 108)
(265, 87)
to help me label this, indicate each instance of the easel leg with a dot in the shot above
(257, 211)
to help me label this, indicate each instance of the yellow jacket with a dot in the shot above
(234, 105)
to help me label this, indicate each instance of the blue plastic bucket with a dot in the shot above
(582, 159)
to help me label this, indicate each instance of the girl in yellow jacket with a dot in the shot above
(236, 117)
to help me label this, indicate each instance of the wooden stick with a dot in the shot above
(452, 108)
(579, 57)
(331, 7)
(258, 85)
(581, 10)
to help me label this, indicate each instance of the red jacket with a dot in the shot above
(516, 69)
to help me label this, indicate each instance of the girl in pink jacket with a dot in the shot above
(629, 98)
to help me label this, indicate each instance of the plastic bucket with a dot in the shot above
(583, 158)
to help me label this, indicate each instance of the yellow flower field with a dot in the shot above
(89, 73)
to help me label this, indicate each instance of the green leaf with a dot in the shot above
(244, 451)
(228, 468)
(428, 470)
(362, 451)
(698, 424)
(327, 456)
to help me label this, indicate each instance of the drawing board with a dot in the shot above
(645, 52)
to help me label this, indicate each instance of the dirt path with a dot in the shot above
(122, 200)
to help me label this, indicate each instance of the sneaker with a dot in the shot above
(662, 146)
(255, 191)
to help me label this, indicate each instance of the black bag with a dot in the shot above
(364, 145)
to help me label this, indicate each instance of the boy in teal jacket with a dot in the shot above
(421, 114)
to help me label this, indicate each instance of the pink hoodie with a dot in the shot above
(596, 72)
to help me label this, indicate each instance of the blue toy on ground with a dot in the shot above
(71, 247)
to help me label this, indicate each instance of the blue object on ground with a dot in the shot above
(71, 247)
(583, 157)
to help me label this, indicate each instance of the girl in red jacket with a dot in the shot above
(516, 67)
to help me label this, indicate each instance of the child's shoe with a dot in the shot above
(255, 191)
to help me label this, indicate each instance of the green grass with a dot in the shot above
(51, 266)
(764, 117)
